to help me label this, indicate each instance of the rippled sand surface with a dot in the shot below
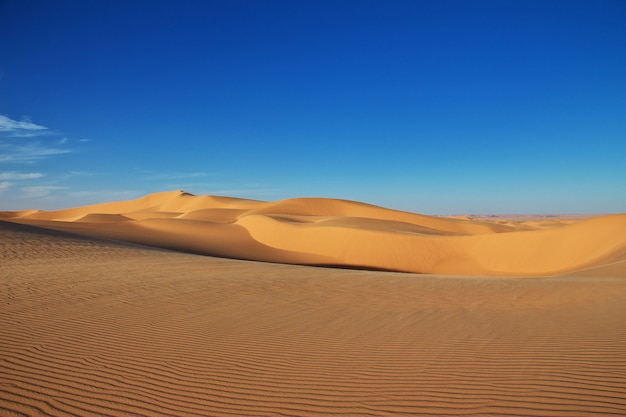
(94, 327)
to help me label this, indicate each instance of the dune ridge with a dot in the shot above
(91, 326)
(318, 231)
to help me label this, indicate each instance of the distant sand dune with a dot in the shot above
(317, 231)
(90, 326)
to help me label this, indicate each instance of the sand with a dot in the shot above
(317, 231)
(91, 326)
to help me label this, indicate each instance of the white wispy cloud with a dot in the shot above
(24, 128)
(13, 176)
(26, 134)
(4, 186)
(38, 191)
(7, 178)
(12, 153)
(17, 145)
(25, 143)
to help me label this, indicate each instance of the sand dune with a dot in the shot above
(90, 326)
(317, 231)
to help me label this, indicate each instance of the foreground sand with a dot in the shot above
(92, 327)
(316, 231)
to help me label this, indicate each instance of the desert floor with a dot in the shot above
(94, 327)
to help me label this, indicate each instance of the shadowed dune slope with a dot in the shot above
(317, 231)
(94, 327)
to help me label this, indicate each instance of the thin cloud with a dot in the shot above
(18, 150)
(13, 176)
(28, 134)
(11, 153)
(4, 186)
(39, 191)
(25, 128)
(40, 197)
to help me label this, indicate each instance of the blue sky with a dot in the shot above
(435, 107)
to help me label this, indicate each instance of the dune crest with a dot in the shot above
(321, 231)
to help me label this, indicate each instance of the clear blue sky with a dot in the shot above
(435, 107)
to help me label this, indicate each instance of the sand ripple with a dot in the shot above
(90, 327)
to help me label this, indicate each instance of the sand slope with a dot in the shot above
(95, 327)
(316, 231)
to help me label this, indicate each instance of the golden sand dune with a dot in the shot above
(316, 231)
(94, 327)
(99, 218)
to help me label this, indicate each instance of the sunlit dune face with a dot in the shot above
(317, 231)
